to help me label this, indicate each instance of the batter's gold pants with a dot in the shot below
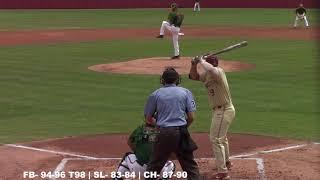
(221, 120)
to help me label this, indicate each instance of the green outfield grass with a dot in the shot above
(56, 19)
(46, 90)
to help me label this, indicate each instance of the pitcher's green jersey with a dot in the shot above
(175, 18)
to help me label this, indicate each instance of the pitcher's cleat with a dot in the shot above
(175, 57)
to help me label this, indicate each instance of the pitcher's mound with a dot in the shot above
(156, 65)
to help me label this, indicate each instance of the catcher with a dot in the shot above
(301, 15)
(140, 141)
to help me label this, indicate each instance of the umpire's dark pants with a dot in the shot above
(168, 141)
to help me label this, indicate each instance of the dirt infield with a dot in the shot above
(254, 157)
(25, 37)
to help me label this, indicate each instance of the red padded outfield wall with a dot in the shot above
(120, 4)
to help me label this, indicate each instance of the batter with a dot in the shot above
(223, 112)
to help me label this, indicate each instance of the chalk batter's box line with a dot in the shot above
(63, 163)
(91, 157)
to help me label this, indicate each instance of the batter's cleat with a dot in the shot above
(221, 176)
(175, 57)
(160, 36)
(229, 165)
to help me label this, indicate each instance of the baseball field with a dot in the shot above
(59, 114)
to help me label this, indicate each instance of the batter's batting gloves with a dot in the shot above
(195, 60)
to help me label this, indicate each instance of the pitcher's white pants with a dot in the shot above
(196, 6)
(175, 35)
(299, 18)
(129, 164)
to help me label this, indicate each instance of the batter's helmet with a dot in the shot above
(170, 76)
(213, 60)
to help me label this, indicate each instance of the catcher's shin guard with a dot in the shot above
(168, 168)
(123, 167)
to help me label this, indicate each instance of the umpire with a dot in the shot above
(173, 109)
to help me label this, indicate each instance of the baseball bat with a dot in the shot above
(229, 48)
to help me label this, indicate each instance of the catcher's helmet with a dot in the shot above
(170, 76)
(213, 60)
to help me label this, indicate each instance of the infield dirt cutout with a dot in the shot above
(26, 37)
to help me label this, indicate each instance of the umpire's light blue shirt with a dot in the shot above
(170, 103)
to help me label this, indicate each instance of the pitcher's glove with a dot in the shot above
(195, 60)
